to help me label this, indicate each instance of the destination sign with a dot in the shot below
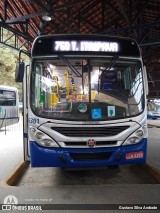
(89, 46)
(84, 44)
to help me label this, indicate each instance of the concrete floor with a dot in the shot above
(11, 151)
(122, 175)
(102, 193)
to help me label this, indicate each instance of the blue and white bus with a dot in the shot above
(85, 102)
(9, 106)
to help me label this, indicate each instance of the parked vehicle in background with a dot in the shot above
(149, 115)
(154, 114)
(9, 106)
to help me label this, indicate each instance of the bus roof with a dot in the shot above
(4, 87)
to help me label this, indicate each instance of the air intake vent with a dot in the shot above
(90, 131)
(90, 156)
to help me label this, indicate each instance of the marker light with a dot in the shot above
(32, 129)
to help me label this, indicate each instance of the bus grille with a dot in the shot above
(84, 143)
(90, 156)
(90, 131)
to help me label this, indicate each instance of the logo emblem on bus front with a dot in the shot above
(91, 143)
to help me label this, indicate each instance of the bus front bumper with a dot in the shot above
(87, 157)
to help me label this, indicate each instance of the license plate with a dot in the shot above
(134, 155)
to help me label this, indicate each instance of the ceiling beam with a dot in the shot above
(43, 11)
(16, 31)
(7, 41)
(95, 28)
(136, 26)
(24, 17)
(76, 18)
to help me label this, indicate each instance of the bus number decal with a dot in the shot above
(33, 120)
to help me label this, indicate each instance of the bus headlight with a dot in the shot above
(136, 137)
(39, 135)
(41, 138)
(133, 140)
(48, 142)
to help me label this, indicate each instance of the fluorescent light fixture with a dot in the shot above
(46, 17)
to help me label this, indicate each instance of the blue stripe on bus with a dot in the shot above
(61, 157)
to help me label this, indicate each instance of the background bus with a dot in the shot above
(85, 102)
(9, 106)
(153, 109)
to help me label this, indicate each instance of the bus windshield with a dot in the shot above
(86, 88)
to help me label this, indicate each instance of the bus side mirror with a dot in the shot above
(19, 73)
(145, 81)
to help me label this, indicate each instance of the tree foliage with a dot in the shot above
(8, 60)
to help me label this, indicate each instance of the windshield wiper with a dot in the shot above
(69, 65)
(112, 63)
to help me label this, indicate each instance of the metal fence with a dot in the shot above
(7, 125)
